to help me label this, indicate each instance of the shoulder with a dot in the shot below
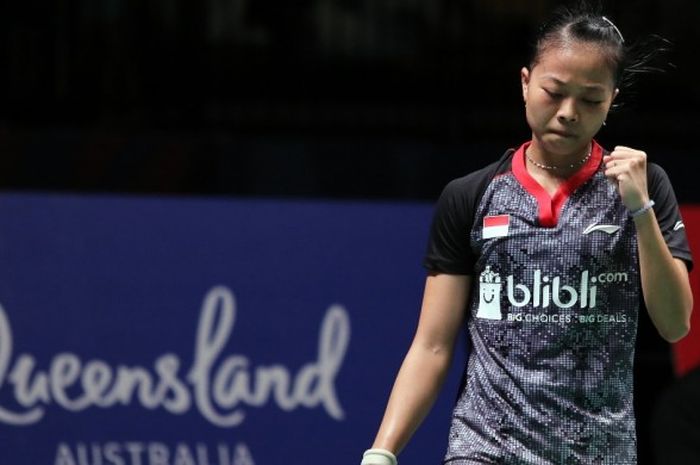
(449, 249)
(658, 180)
(656, 173)
(473, 184)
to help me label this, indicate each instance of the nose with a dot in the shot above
(568, 113)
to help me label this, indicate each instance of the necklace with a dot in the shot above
(553, 167)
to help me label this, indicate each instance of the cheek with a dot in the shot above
(538, 112)
(595, 128)
(595, 118)
(532, 120)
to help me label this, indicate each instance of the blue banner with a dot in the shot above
(187, 331)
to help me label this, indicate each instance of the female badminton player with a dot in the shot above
(546, 256)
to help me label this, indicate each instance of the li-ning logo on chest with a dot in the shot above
(544, 292)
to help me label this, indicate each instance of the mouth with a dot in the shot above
(565, 134)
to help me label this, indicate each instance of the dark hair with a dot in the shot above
(584, 22)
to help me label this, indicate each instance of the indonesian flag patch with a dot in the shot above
(495, 226)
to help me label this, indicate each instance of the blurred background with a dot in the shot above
(362, 100)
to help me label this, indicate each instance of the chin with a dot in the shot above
(559, 145)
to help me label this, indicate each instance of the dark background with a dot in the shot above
(365, 99)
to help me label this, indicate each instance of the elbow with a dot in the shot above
(680, 330)
(675, 338)
(438, 350)
(438, 354)
(676, 334)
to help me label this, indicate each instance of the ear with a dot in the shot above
(616, 92)
(524, 81)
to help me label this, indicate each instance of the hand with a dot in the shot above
(627, 169)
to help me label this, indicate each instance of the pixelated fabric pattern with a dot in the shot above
(553, 312)
(553, 320)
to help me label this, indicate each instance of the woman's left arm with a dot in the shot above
(665, 282)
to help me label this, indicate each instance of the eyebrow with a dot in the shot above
(595, 87)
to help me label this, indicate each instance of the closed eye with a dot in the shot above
(556, 96)
(553, 94)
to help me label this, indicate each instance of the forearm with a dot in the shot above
(415, 390)
(665, 285)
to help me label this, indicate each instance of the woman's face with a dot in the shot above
(567, 94)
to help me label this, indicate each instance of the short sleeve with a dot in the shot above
(449, 250)
(668, 214)
(449, 246)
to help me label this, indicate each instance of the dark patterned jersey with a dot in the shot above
(553, 312)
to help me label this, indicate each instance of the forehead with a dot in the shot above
(577, 64)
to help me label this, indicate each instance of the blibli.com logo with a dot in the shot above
(545, 292)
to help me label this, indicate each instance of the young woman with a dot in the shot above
(546, 256)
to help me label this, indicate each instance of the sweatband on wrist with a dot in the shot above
(643, 209)
(378, 457)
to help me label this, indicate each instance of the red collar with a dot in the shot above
(550, 207)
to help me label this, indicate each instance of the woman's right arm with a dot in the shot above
(428, 359)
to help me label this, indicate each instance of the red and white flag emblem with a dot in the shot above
(495, 226)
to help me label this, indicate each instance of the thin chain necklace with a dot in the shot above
(554, 168)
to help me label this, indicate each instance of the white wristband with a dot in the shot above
(640, 211)
(378, 457)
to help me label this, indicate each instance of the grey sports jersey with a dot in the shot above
(553, 314)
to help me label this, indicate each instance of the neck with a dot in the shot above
(559, 166)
